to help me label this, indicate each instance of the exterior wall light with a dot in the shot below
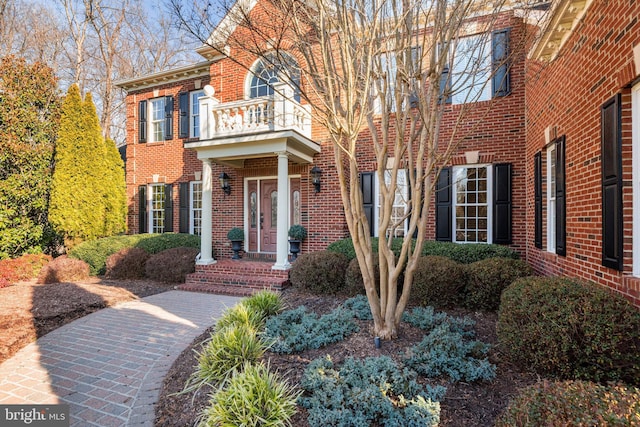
(225, 183)
(316, 173)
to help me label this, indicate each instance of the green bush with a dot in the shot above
(223, 354)
(319, 272)
(255, 397)
(359, 307)
(573, 404)
(368, 392)
(487, 278)
(235, 233)
(297, 330)
(171, 265)
(438, 282)
(64, 269)
(266, 303)
(353, 283)
(241, 314)
(96, 252)
(570, 330)
(427, 319)
(345, 247)
(468, 252)
(127, 263)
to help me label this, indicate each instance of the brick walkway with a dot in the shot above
(109, 365)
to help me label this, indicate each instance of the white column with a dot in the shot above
(282, 245)
(206, 253)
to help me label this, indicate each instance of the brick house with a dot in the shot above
(190, 127)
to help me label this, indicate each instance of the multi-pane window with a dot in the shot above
(271, 70)
(397, 224)
(194, 114)
(389, 69)
(472, 210)
(158, 116)
(196, 208)
(471, 69)
(551, 198)
(156, 211)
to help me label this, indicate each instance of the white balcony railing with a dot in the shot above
(265, 114)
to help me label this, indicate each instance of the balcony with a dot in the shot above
(231, 132)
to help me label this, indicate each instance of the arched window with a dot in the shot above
(272, 69)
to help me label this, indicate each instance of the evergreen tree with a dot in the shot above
(29, 114)
(115, 191)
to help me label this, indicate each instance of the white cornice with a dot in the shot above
(201, 69)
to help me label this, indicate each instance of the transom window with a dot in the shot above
(472, 210)
(157, 119)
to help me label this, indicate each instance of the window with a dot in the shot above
(472, 210)
(159, 126)
(195, 223)
(478, 68)
(157, 207)
(551, 198)
(189, 110)
(635, 123)
(194, 118)
(389, 69)
(473, 204)
(271, 70)
(372, 201)
(157, 119)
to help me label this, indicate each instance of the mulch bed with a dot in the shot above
(465, 404)
(29, 310)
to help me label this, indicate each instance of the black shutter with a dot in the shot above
(168, 114)
(142, 211)
(142, 121)
(443, 206)
(184, 207)
(561, 198)
(501, 80)
(168, 208)
(445, 86)
(367, 187)
(183, 123)
(537, 183)
(502, 203)
(612, 184)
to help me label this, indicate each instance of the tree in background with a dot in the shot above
(29, 114)
(86, 202)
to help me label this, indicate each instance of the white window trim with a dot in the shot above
(551, 202)
(635, 122)
(377, 198)
(151, 228)
(454, 198)
(152, 121)
(461, 78)
(192, 116)
(192, 209)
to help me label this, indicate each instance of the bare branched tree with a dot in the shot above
(381, 71)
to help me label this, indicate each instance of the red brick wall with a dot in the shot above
(595, 64)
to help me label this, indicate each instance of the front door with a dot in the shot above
(269, 215)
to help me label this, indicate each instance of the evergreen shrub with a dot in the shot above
(573, 404)
(570, 330)
(427, 319)
(469, 252)
(64, 269)
(438, 282)
(373, 391)
(359, 307)
(156, 243)
(353, 282)
(26, 267)
(266, 303)
(254, 397)
(241, 314)
(171, 265)
(297, 330)
(127, 263)
(319, 272)
(487, 278)
(345, 247)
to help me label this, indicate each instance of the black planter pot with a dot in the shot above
(294, 248)
(236, 246)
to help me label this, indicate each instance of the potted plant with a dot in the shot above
(297, 234)
(236, 235)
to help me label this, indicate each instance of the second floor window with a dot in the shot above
(157, 119)
(273, 69)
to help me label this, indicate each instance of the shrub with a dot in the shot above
(23, 268)
(255, 397)
(427, 319)
(235, 234)
(171, 265)
(345, 247)
(64, 269)
(319, 272)
(241, 314)
(296, 330)
(96, 252)
(570, 330)
(438, 281)
(353, 282)
(297, 232)
(373, 391)
(359, 307)
(127, 263)
(224, 353)
(468, 253)
(265, 302)
(446, 353)
(486, 279)
(573, 403)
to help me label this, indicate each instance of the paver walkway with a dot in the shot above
(109, 366)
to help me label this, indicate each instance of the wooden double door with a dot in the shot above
(262, 212)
